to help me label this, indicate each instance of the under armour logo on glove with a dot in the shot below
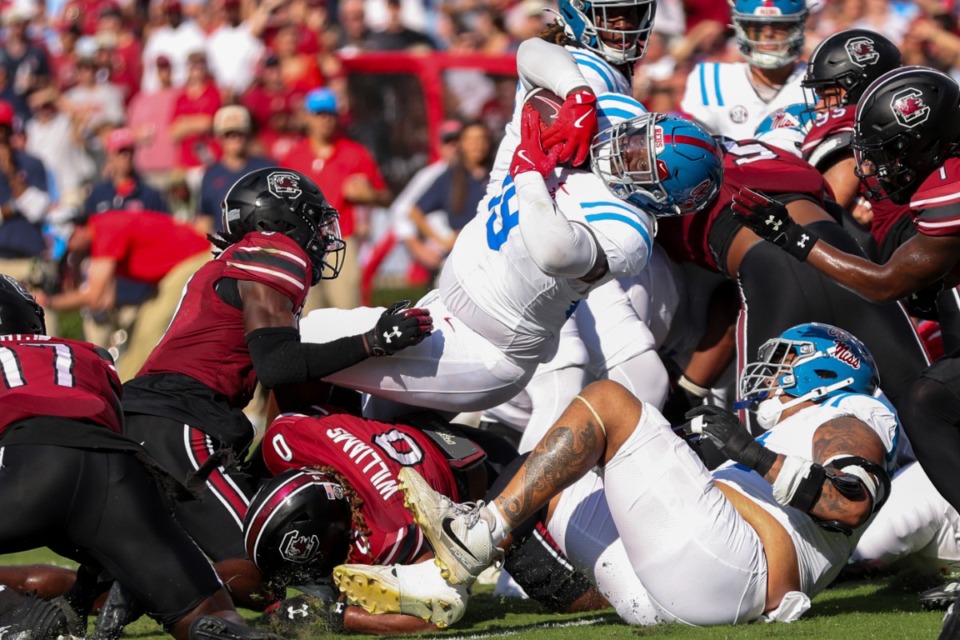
(398, 328)
(770, 220)
(303, 611)
(573, 130)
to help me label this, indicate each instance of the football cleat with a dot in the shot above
(951, 624)
(415, 590)
(118, 610)
(941, 597)
(213, 628)
(459, 533)
(38, 619)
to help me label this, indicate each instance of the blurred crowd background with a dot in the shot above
(394, 107)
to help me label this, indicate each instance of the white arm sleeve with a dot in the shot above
(559, 247)
(541, 64)
(33, 204)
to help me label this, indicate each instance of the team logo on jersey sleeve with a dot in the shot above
(909, 107)
(284, 185)
(861, 51)
(299, 548)
(739, 114)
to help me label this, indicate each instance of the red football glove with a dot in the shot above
(529, 155)
(574, 128)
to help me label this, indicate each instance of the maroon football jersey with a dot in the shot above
(936, 204)
(747, 163)
(43, 376)
(206, 338)
(369, 455)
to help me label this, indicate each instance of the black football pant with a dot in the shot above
(777, 292)
(216, 520)
(930, 414)
(102, 508)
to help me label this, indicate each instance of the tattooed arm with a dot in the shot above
(842, 436)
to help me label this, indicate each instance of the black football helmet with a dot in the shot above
(849, 60)
(19, 312)
(907, 123)
(298, 527)
(288, 202)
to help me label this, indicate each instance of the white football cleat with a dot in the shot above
(413, 589)
(459, 533)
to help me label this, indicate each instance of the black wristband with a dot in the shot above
(759, 458)
(810, 488)
(799, 241)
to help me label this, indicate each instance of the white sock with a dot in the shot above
(499, 529)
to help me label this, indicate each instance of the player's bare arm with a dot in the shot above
(842, 436)
(920, 261)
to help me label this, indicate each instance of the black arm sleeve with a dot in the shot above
(280, 358)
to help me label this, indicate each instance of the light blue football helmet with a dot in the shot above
(663, 164)
(789, 14)
(584, 20)
(811, 361)
(786, 128)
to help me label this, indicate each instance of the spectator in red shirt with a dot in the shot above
(348, 176)
(149, 116)
(300, 71)
(192, 124)
(118, 52)
(145, 246)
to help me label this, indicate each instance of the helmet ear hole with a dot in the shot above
(826, 374)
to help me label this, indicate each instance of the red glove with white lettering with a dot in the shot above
(574, 128)
(529, 155)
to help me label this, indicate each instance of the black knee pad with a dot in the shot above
(539, 567)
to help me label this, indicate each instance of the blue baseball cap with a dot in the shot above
(321, 101)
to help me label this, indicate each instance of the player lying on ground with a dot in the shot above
(336, 496)
(759, 536)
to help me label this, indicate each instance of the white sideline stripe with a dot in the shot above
(533, 627)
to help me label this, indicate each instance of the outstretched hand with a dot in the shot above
(769, 219)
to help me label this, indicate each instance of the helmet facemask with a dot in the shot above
(885, 173)
(326, 247)
(626, 41)
(623, 156)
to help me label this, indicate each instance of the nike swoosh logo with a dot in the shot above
(578, 123)
(447, 318)
(446, 528)
(523, 154)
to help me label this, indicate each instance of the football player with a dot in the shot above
(758, 536)
(335, 497)
(546, 239)
(905, 139)
(236, 325)
(841, 68)
(731, 98)
(776, 291)
(96, 499)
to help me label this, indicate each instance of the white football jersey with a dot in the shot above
(821, 553)
(719, 96)
(599, 74)
(493, 285)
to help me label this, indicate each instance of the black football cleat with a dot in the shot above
(951, 625)
(37, 619)
(213, 628)
(118, 610)
(941, 597)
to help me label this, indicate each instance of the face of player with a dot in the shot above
(771, 37)
(636, 154)
(612, 22)
(830, 97)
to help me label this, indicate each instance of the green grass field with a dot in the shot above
(861, 610)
